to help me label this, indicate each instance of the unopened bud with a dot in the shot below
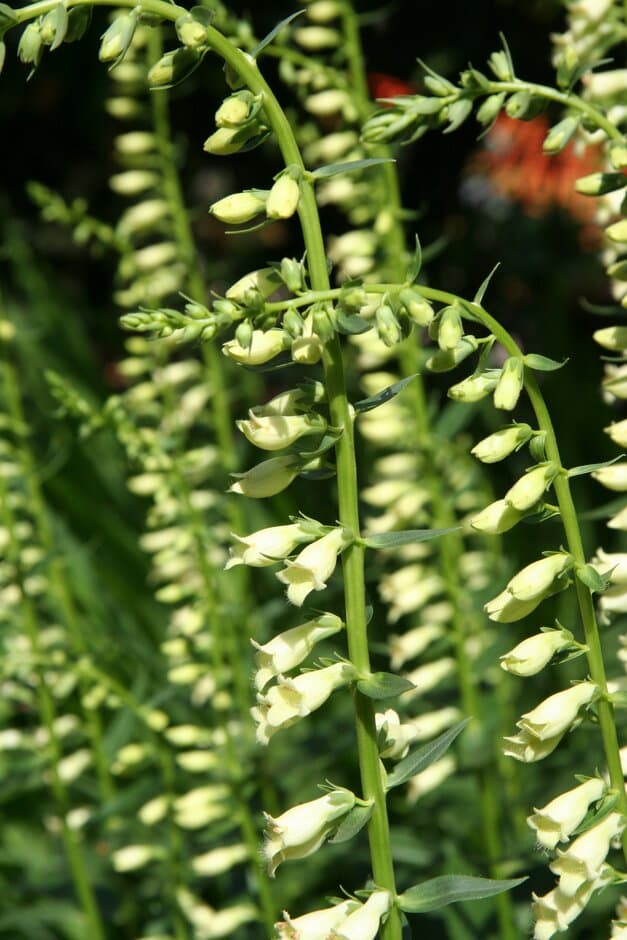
(559, 135)
(419, 309)
(450, 328)
(240, 207)
(118, 37)
(191, 28)
(597, 184)
(510, 384)
(235, 109)
(474, 388)
(283, 197)
(173, 67)
(30, 48)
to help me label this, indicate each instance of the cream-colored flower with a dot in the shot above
(316, 924)
(555, 715)
(263, 347)
(505, 608)
(267, 478)
(510, 384)
(267, 546)
(496, 518)
(301, 830)
(364, 923)
(556, 821)
(499, 445)
(283, 198)
(533, 582)
(530, 488)
(274, 432)
(528, 748)
(288, 649)
(581, 862)
(533, 654)
(313, 566)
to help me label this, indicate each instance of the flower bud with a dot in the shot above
(327, 102)
(505, 608)
(317, 924)
(240, 207)
(301, 830)
(274, 432)
(560, 134)
(288, 649)
(474, 388)
(430, 778)
(393, 737)
(283, 704)
(510, 384)
(534, 653)
(496, 518)
(583, 859)
(267, 478)
(228, 140)
(262, 347)
(388, 327)
(499, 445)
(418, 308)
(450, 328)
(617, 231)
(490, 108)
(557, 821)
(191, 28)
(173, 67)
(135, 143)
(236, 109)
(118, 37)
(555, 715)
(530, 488)
(283, 198)
(598, 184)
(612, 337)
(537, 578)
(618, 156)
(266, 546)
(316, 38)
(445, 360)
(313, 566)
(30, 48)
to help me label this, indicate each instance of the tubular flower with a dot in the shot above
(266, 546)
(555, 715)
(496, 518)
(313, 566)
(502, 443)
(537, 578)
(316, 924)
(267, 478)
(364, 923)
(274, 432)
(581, 862)
(528, 749)
(263, 346)
(530, 488)
(290, 699)
(556, 821)
(288, 649)
(533, 654)
(301, 830)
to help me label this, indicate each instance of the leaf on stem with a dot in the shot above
(382, 685)
(484, 285)
(591, 467)
(419, 760)
(274, 32)
(406, 537)
(352, 823)
(415, 264)
(333, 169)
(449, 889)
(367, 404)
(542, 363)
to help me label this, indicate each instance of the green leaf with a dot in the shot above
(334, 169)
(424, 756)
(591, 467)
(327, 442)
(352, 823)
(542, 363)
(351, 323)
(79, 19)
(367, 404)
(449, 889)
(591, 578)
(382, 685)
(484, 285)
(7, 18)
(274, 32)
(406, 537)
(415, 264)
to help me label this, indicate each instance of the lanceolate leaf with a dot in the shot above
(419, 760)
(484, 285)
(542, 363)
(352, 823)
(382, 685)
(334, 169)
(415, 264)
(274, 32)
(367, 404)
(591, 467)
(393, 539)
(592, 579)
(449, 889)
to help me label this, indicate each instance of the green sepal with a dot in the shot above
(335, 169)
(415, 264)
(59, 20)
(485, 284)
(457, 113)
(367, 404)
(328, 441)
(382, 685)
(274, 32)
(184, 61)
(591, 467)
(589, 576)
(351, 324)
(419, 760)
(79, 19)
(8, 18)
(619, 698)
(405, 537)
(449, 889)
(352, 823)
(542, 363)
(537, 447)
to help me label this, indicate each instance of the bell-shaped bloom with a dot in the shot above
(505, 608)
(274, 432)
(555, 911)
(316, 924)
(533, 582)
(265, 547)
(496, 518)
(301, 830)
(499, 445)
(291, 699)
(528, 749)
(556, 821)
(364, 923)
(263, 346)
(267, 478)
(556, 714)
(313, 566)
(530, 488)
(534, 653)
(581, 862)
(288, 649)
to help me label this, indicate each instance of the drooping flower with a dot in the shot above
(581, 862)
(532, 654)
(316, 924)
(556, 821)
(364, 923)
(313, 566)
(556, 714)
(267, 546)
(288, 649)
